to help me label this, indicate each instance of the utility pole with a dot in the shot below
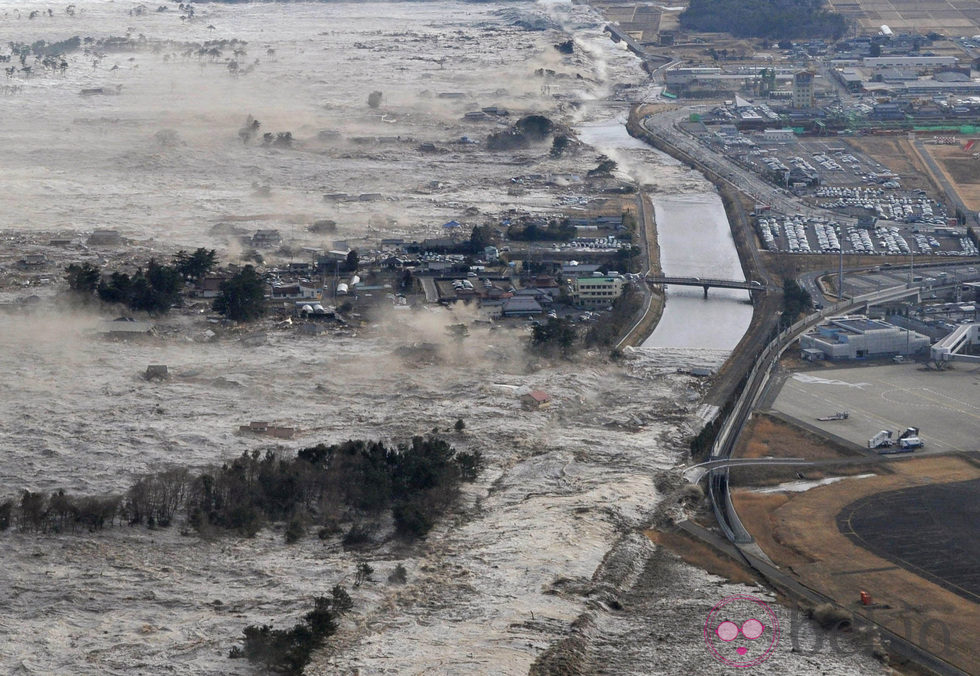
(840, 277)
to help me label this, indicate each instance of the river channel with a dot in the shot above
(695, 241)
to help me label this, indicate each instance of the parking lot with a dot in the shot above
(802, 235)
(944, 405)
(834, 162)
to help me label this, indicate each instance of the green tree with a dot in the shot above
(242, 297)
(480, 238)
(558, 145)
(295, 530)
(398, 576)
(364, 572)
(352, 262)
(194, 266)
(84, 278)
(557, 335)
(164, 284)
(796, 301)
(534, 127)
(155, 290)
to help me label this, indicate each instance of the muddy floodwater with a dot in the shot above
(696, 241)
(141, 134)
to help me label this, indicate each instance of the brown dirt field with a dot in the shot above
(703, 556)
(801, 534)
(962, 170)
(896, 154)
(767, 436)
(756, 508)
(654, 108)
(921, 16)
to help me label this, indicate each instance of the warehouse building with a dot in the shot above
(857, 337)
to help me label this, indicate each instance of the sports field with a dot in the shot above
(932, 530)
(897, 541)
(944, 405)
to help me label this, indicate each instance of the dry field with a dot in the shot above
(948, 17)
(962, 170)
(770, 437)
(897, 154)
(799, 532)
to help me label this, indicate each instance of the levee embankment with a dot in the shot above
(764, 315)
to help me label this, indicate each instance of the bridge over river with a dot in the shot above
(706, 283)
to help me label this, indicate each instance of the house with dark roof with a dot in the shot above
(521, 306)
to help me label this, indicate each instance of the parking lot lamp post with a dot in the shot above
(840, 276)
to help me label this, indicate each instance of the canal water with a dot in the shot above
(695, 241)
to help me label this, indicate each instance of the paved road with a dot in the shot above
(664, 125)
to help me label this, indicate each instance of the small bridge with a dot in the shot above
(619, 35)
(707, 283)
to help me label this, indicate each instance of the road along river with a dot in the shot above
(695, 241)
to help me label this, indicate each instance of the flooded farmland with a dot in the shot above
(550, 534)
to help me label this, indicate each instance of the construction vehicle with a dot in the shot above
(881, 440)
(840, 415)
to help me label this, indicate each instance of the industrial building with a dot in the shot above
(910, 61)
(596, 291)
(857, 337)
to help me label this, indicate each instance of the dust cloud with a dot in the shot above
(489, 590)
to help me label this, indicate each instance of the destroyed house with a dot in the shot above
(534, 400)
(266, 238)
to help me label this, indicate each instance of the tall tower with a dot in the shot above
(803, 90)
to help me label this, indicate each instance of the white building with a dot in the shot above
(909, 61)
(857, 337)
(596, 291)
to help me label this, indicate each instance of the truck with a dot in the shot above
(882, 439)
(909, 432)
(908, 443)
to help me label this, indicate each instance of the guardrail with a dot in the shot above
(755, 383)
